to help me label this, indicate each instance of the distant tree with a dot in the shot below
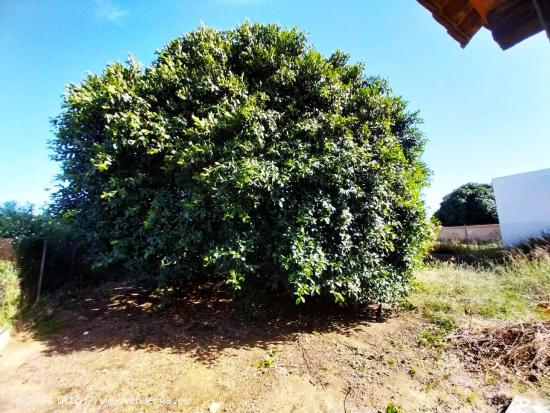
(18, 221)
(471, 204)
(24, 222)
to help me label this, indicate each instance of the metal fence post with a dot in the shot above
(42, 263)
(73, 256)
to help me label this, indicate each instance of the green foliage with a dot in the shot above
(393, 408)
(471, 204)
(472, 398)
(268, 361)
(19, 221)
(9, 293)
(431, 336)
(44, 318)
(247, 156)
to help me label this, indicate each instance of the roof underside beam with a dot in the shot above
(543, 10)
(513, 21)
(510, 21)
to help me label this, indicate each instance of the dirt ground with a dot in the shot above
(112, 352)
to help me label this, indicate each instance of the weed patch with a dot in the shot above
(268, 361)
(44, 319)
(10, 293)
(392, 408)
(448, 294)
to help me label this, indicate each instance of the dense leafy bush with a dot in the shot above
(245, 155)
(9, 293)
(470, 204)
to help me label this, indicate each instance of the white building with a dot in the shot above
(523, 205)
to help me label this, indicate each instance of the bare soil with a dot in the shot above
(116, 353)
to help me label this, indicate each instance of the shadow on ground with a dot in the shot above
(203, 323)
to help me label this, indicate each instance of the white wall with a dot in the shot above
(523, 204)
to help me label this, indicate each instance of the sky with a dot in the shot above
(486, 111)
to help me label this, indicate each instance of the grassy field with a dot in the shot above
(494, 286)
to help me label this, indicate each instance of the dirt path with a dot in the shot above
(113, 353)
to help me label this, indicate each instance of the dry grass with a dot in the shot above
(451, 294)
(460, 252)
(523, 347)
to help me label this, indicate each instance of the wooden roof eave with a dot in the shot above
(510, 21)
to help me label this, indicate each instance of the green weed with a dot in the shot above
(392, 408)
(471, 398)
(432, 336)
(268, 361)
(491, 380)
(44, 318)
(10, 293)
(360, 367)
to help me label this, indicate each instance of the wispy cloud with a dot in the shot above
(108, 10)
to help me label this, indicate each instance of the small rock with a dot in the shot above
(522, 405)
(82, 318)
(214, 407)
(4, 338)
(85, 333)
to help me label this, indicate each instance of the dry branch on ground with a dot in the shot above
(523, 347)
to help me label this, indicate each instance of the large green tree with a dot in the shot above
(247, 156)
(470, 204)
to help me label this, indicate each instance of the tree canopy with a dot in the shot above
(470, 204)
(18, 221)
(246, 156)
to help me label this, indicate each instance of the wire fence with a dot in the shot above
(7, 252)
(46, 264)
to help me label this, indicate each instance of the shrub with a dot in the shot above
(470, 204)
(9, 293)
(18, 221)
(247, 156)
(29, 229)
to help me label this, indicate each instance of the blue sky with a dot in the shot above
(486, 112)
